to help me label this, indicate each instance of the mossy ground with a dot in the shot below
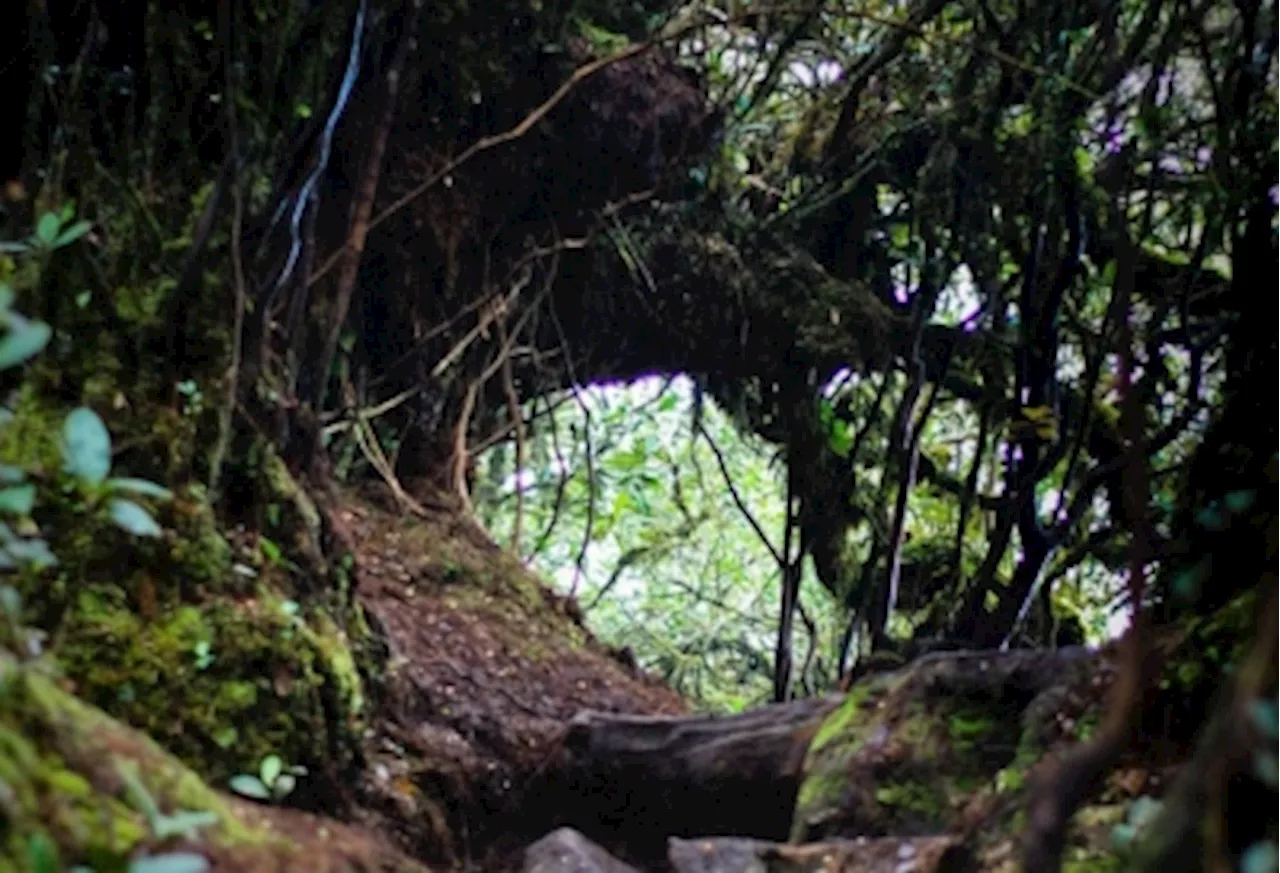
(65, 798)
(196, 641)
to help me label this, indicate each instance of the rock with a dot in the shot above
(944, 854)
(567, 851)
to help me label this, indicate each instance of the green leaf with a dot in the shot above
(133, 518)
(270, 551)
(1239, 501)
(1266, 715)
(182, 824)
(23, 342)
(10, 602)
(226, 736)
(72, 233)
(249, 786)
(47, 228)
(173, 862)
(11, 475)
(18, 500)
(1212, 518)
(270, 769)
(42, 854)
(1143, 811)
(1187, 582)
(140, 486)
(283, 785)
(86, 446)
(900, 235)
(1122, 836)
(135, 792)
(33, 552)
(1261, 857)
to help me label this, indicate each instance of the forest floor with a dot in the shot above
(486, 667)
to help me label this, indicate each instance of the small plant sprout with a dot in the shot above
(274, 781)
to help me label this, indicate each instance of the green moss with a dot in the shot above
(1013, 776)
(1079, 860)
(839, 722)
(969, 727)
(57, 763)
(268, 682)
(912, 797)
(30, 439)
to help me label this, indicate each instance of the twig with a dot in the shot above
(561, 483)
(737, 498)
(459, 458)
(590, 454)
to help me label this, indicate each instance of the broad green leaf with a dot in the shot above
(23, 342)
(72, 233)
(18, 500)
(271, 769)
(86, 446)
(47, 228)
(6, 296)
(11, 475)
(1261, 857)
(249, 786)
(140, 486)
(182, 824)
(33, 552)
(133, 518)
(173, 862)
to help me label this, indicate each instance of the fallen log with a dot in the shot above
(630, 782)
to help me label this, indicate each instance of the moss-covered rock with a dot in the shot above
(908, 752)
